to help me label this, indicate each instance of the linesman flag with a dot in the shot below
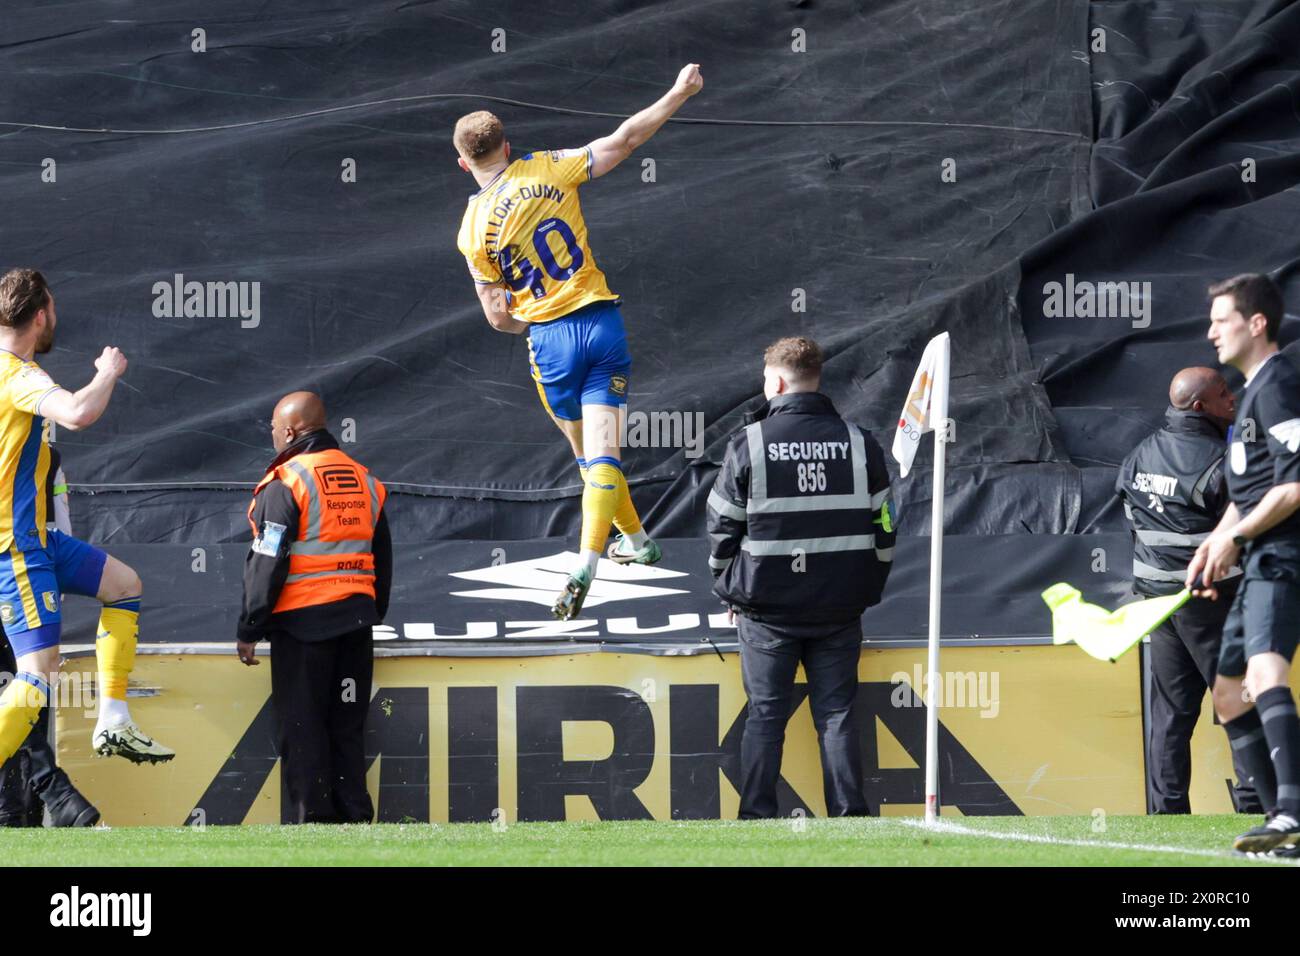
(927, 403)
(1104, 634)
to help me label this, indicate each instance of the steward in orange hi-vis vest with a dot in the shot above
(320, 564)
(339, 504)
(316, 582)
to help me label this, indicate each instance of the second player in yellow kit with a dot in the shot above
(525, 242)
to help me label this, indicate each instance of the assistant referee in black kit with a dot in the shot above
(801, 540)
(1261, 532)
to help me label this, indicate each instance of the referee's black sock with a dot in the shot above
(1282, 729)
(1246, 734)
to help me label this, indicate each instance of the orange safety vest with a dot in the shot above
(339, 504)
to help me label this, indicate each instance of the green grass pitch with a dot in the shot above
(889, 841)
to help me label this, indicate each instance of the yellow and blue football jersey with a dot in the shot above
(24, 453)
(525, 229)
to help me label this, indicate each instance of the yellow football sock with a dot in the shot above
(599, 500)
(626, 519)
(20, 705)
(119, 623)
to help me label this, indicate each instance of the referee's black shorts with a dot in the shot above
(1265, 617)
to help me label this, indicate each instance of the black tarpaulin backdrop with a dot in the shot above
(816, 171)
(813, 174)
(1184, 95)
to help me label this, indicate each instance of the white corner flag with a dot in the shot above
(926, 410)
(927, 402)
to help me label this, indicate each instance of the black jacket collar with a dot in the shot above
(1193, 423)
(319, 440)
(796, 403)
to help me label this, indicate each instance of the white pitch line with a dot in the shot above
(957, 829)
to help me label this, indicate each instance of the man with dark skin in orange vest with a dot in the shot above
(316, 582)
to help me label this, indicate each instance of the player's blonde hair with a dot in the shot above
(478, 135)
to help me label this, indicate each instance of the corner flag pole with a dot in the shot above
(925, 410)
(939, 423)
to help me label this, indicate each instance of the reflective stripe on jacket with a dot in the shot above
(800, 519)
(1174, 491)
(331, 552)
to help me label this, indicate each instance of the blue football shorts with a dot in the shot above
(580, 359)
(33, 582)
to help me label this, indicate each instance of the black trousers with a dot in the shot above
(1184, 655)
(769, 657)
(321, 693)
(31, 771)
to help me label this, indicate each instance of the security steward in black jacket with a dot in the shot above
(316, 581)
(801, 540)
(1175, 491)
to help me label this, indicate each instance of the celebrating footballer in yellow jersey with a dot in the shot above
(525, 242)
(525, 229)
(39, 566)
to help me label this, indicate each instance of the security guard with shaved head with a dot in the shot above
(1174, 491)
(316, 581)
(802, 540)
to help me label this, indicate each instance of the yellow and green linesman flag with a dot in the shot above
(1104, 634)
